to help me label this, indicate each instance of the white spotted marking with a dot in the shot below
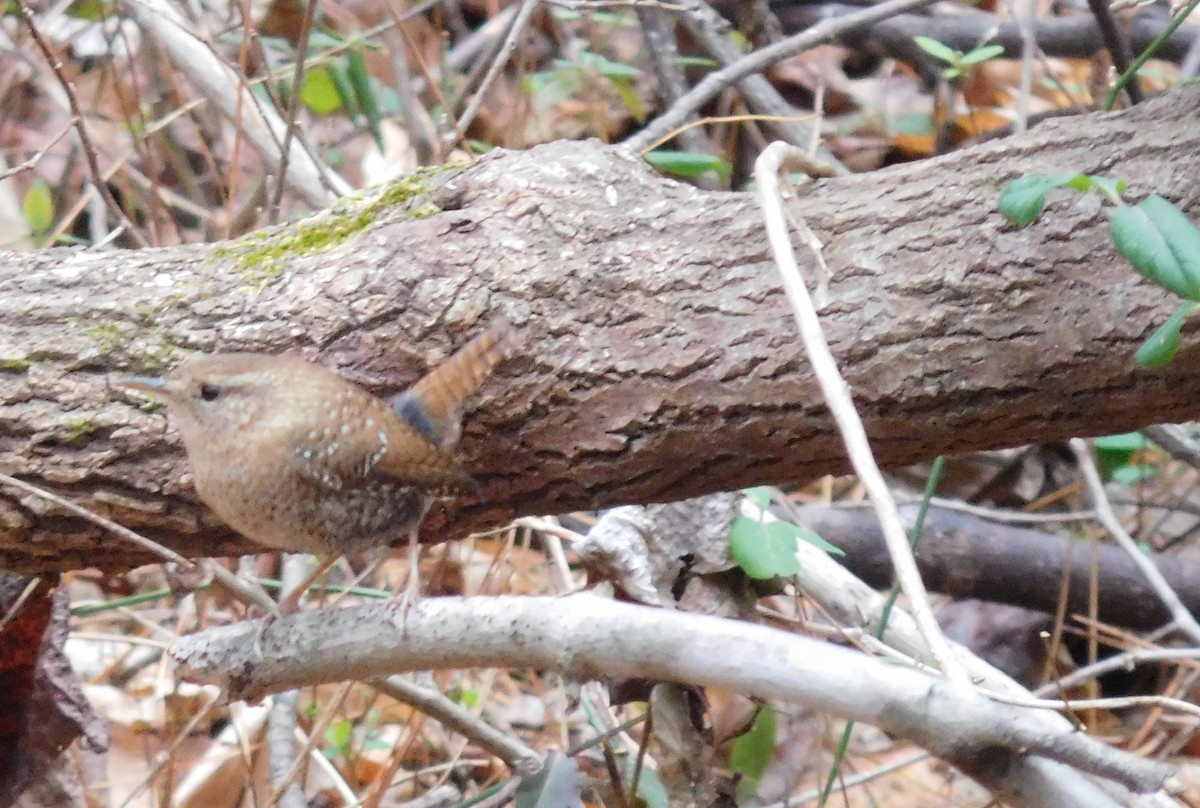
(345, 429)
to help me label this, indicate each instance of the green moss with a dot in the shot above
(108, 336)
(15, 365)
(151, 405)
(262, 256)
(79, 430)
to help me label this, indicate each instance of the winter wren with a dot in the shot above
(296, 458)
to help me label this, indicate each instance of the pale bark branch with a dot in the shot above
(588, 637)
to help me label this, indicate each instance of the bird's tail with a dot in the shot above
(433, 406)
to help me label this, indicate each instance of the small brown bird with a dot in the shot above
(297, 458)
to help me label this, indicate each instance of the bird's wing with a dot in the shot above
(376, 443)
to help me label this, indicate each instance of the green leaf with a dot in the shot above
(688, 164)
(630, 98)
(338, 736)
(606, 67)
(319, 93)
(321, 41)
(937, 50)
(982, 54)
(1114, 451)
(1023, 200)
(696, 61)
(752, 753)
(1127, 442)
(764, 549)
(38, 206)
(360, 80)
(1153, 236)
(1163, 344)
(650, 789)
(1131, 475)
(1181, 236)
(759, 495)
(815, 539)
(345, 90)
(94, 10)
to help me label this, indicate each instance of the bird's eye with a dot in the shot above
(209, 392)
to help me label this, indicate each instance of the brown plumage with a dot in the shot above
(296, 458)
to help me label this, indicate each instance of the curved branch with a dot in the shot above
(1077, 36)
(588, 637)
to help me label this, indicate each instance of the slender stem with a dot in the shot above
(1148, 53)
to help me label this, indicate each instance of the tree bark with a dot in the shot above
(658, 358)
(968, 557)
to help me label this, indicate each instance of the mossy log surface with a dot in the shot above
(658, 358)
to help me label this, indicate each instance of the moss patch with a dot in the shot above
(15, 365)
(262, 256)
(79, 430)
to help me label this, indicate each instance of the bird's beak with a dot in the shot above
(145, 384)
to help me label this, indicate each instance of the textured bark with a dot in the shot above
(968, 557)
(659, 355)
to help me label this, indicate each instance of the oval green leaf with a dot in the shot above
(1139, 239)
(319, 93)
(1163, 344)
(937, 50)
(764, 549)
(816, 540)
(1180, 235)
(364, 93)
(977, 55)
(1025, 198)
(38, 206)
(688, 164)
(752, 752)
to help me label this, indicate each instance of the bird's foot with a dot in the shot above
(401, 604)
(266, 623)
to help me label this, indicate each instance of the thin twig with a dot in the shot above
(1115, 703)
(319, 727)
(1104, 512)
(30, 587)
(136, 539)
(519, 757)
(856, 780)
(716, 82)
(293, 106)
(229, 581)
(658, 31)
(712, 30)
(841, 406)
(37, 157)
(312, 179)
(506, 50)
(1174, 439)
(89, 152)
(1117, 44)
(282, 722)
